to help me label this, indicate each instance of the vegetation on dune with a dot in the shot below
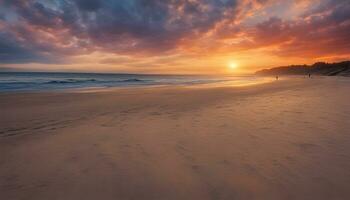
(319, 68)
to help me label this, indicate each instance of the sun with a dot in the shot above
(232, 65)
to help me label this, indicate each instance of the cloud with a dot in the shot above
(124, 26)
(118, 60)
(13, 52)
(46, 31)
(321, 31)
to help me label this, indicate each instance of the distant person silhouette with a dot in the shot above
(276, 77)
(309, 75)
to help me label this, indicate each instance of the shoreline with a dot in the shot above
(220, 84)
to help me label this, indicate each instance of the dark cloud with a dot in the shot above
(11, 51)
(89, 5)
(123, 26)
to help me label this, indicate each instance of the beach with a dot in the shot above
(285, 139)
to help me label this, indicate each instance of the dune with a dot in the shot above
(287, 139)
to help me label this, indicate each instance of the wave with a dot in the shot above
(132, 80)
(72, 81)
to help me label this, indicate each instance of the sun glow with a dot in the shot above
(232, 65)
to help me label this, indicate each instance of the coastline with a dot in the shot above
(286, 139)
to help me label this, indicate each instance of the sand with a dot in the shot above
(288, 139)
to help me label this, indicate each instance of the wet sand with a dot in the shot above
(288, 139)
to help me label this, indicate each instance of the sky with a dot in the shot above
(171, 36)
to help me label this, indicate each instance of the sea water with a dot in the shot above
(40, 81)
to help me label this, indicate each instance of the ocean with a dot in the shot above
(40, 81)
